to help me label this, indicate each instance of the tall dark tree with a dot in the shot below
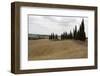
(53, 36)
(82, 35)
(71, 35)
(62, 36)
(56, 37)
(75, 33)
(65, 35)
(49, 37)
(78, 35)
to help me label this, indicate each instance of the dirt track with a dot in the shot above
(45, 49)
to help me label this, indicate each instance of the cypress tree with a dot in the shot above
(61, 36)
(81, 33)
(70, 35)
(52, 35)
(78, 35)
(49, 37)
(56, 37)
(66, 35)
(75, 33)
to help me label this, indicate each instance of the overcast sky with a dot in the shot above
(39, 24)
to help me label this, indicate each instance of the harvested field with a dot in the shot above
(44, 49)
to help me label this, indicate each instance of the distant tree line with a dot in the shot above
(76, 34)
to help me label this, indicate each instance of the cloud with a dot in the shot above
(56, 24)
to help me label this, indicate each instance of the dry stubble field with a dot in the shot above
(44, 49)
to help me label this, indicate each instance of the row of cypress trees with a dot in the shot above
(80, 34)
(77, 34)
(65, 35)
(53, 36)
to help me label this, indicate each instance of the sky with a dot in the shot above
(47, 24)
